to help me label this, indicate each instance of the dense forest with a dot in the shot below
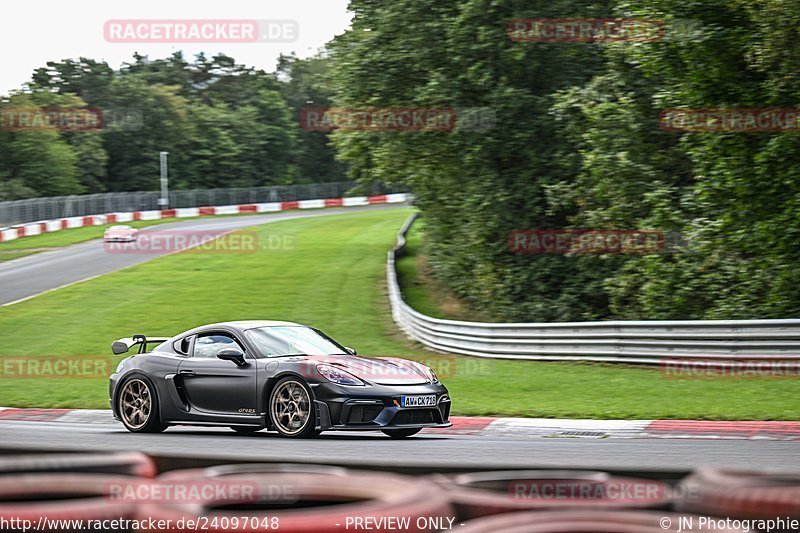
(224, 125)
(577, 142)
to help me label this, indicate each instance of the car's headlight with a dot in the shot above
(425, 370)
(339, 376)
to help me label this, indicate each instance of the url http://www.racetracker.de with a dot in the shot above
(201, 523)
(224, 523)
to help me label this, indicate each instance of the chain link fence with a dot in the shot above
(35, 209)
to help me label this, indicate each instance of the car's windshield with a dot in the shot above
(273, 341)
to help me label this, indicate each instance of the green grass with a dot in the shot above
(16, 254)
(420, 290)
(417, 292)
(333, 277)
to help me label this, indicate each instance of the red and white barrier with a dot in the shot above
(48, 226)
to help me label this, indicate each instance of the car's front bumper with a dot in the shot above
(378, 407)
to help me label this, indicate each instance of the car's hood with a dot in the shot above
(380, 370)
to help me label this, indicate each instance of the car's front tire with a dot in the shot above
(292, 409)
(137, 405)
(401, 433)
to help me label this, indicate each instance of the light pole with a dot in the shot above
(163, 202)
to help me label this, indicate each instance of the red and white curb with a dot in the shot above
(510, 427)
(625, 429)
(49, 226)
(690, 429)
(587, 429)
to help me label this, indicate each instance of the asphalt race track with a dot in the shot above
(31, 275)
(427, 450)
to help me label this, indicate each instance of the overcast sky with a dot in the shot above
(37, 31)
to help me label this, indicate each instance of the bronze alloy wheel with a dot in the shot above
(135, 403)
(138, 407)
(291, 409)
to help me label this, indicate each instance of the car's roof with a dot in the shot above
(237, 325)
(247, 324)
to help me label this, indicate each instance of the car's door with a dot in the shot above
(217, 386)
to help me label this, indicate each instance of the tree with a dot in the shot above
(36, 161)
(87, 78)
(474, 186)
(133, 149)
(306, 84)
(733, 196)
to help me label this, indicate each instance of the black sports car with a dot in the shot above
(252, 375)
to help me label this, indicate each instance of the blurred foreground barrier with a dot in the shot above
(584, 522)
(742, 494)
(487, 493)
(254, 468)
(125, 463)
(296, 501)
(643, 342)
(61, 502)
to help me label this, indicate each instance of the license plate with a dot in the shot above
(418, 401)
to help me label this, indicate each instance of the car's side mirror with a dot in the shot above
(119, 347)
(351, 351)
(232, 354)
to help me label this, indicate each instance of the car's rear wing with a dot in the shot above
(121, 346)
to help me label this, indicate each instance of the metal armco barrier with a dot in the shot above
(640, 342)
